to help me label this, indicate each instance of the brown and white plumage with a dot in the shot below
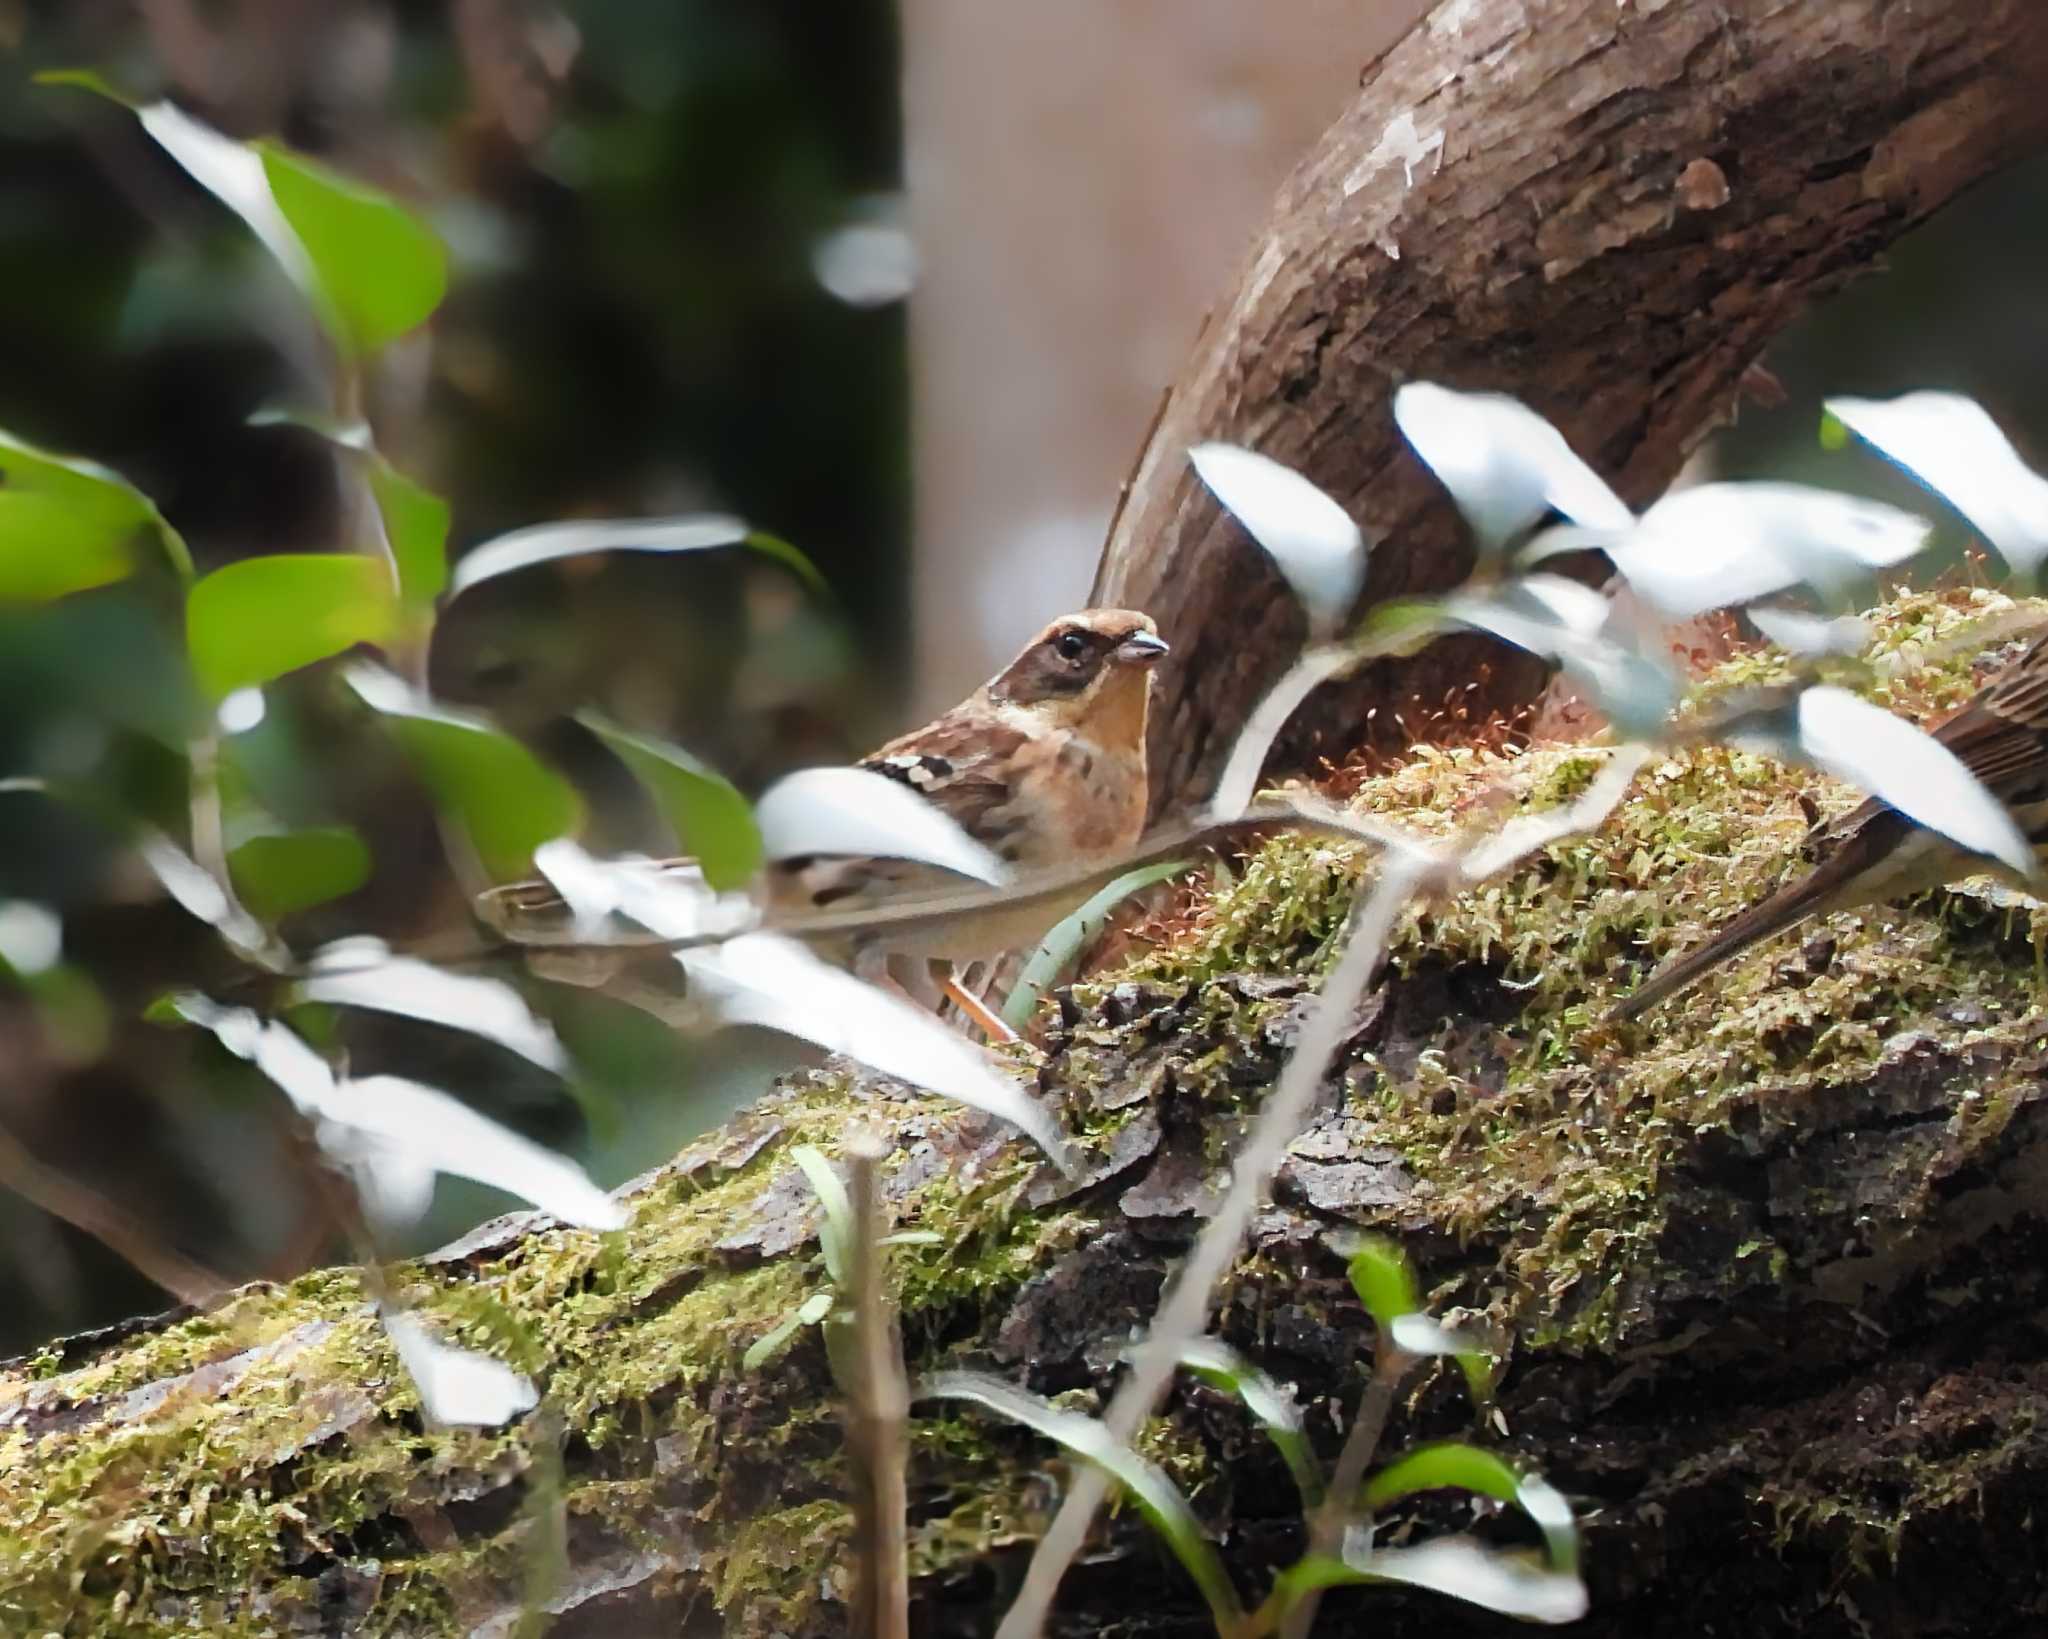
(1875, 853)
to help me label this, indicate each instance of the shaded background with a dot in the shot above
(680, 233)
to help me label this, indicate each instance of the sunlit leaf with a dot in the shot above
(291, 871)
(258, 619)
(416, 529)
(836, 1233)
(1504, 465)
(379, 269)
(366, 973)
(1952, 446)
(1384, 1281)
(778, 983)
(1059, 949)
(1890, 758)
(668, 897)
(1313, 540)
(710, 818)
(1720, 545)
(67, 525)
(1478, 1575)
(458, 1388)
(1156, 1496)
(1452, 1463)
(543, 543)
(1221, 1366)
(1797, 632)
(1423, 1335)
(835, 811)
(505, 799)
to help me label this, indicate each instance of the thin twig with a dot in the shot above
(84, 1209)
(878, 1406)
(1326, 1531)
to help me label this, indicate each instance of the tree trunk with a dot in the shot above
(1767, 1276)
(1606, 209)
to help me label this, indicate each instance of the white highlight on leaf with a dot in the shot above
(197, 891)
(1576, 627)
(1419, 1334)
(31, 936)
(457, 1387)
(240, 711)
(853, 811)
(1952, 446)
(1797, 632)
(1867, 746)
(1504, 465)
(1313, 540)
(364, 973)
(1487, 1577)
(385, 691)
(233, 173)
(542, 543)
(1239, 780)
(765, 979)
(866, 264)
(670, 897)
(1718, 545)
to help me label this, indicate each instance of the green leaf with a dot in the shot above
(260, 618)
(766, 1347)
(1221, 1366)
(1467, 1468)
(380, 269)
(710, 818)
(1156, 1496)
(505, 799)
(1834, 432)
(294, 870)
(67, 525)
(1456, 1567)
(416, 524)
(1384, 1282)
(1059, 949)
(690, 532)
(835, 1234)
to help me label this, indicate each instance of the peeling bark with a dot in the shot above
(1607, 209)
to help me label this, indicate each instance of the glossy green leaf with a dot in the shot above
(1384, 1282)
(381, 270)
(1156, 1496)
(1467, 1468)
(260, 618)
(1221, 1366)
(505, 799)
(67, 525)
(835, 1234)
(1063, 945)
(416, 524)
(771, 1343)
(295, 870)
(712, 821)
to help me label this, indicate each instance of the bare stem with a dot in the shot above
(878, 1406)
(1326, 1530)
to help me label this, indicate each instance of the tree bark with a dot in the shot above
(1605, 209)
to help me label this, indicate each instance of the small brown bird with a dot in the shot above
(1875, 853)
(1044, 764)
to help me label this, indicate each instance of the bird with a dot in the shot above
(1875, 853)
(1044, 765)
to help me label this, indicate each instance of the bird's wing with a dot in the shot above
(2002, 735)
(966, 764)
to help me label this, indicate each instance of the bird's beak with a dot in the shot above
(1140, 649)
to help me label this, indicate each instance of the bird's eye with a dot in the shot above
(1070, 645)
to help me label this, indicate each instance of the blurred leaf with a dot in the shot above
(365, 973)
(458, 1387)
(416, 526)
(771, 1343)
(1057, 952)
(836, 1233)
(1156, 1496)
(698, 532)
(1952, 446)
(1385, 1284)
(854, 811)
(1239, 781)
(1221, 1366)
(507, 801)
(1504, 465)
(1467, 1468)
(258, 619)
(1422, 1335)
(669, 897)
(762, 979)
(1314, 541)
(710, 818)
(380, 269)
(67, 525)
(294, 870)
(1797, 632)
(1458, 1567)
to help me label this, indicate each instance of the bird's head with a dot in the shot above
(1093, 668)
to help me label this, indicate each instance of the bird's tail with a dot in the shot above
(1836, 883)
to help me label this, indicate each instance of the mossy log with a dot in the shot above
(1607, 208)
(1765, 1271)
